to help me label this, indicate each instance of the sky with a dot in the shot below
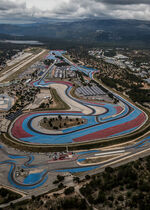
(28, 11)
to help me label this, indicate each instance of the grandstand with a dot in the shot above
(90, 91)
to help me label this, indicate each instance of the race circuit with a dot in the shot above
(103, 120)
(41, 169)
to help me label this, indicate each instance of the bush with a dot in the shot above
(56, 182)
(3, 192)
(60, 178)
(33, 197)
(69, 190)
(61, 186)
(111, 198)
(87, 177)
(109, 169)
(129, 194)
(76, 179)
(101, 197)
(120, 198)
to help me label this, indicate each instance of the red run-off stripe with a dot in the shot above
(17, 130)
(113, 130)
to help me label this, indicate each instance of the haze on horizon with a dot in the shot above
(28, 11)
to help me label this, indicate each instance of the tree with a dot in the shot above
(33, 197)
(3, 192)
(55, 182)
(45, 119)
(59, 117)
(87, 177)
(101, 197)
(42, 105)
(69, 190)
(120, 198)
(60, 178)
(76, 179)
(61, 186)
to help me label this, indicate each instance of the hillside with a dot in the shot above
(114, 32)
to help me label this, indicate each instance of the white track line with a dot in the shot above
(109, 153)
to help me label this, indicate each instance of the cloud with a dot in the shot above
(33, 10)
(123, 9)
(124, 2)
(11, 5)
(11, 11)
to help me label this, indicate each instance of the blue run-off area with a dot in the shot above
(16, 156)
(30, 182)
(34, 177)
(79, 169)
(68, 137)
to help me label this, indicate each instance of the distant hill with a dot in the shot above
(95, 31)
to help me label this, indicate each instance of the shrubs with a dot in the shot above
(7, 196)
(109, 169)
(120, 198)
(74, 203)
(61, 186)
(3, 192)
(60, 122)
(109, 188)
(69, 190)
(101, 197)
(87, 177)
(139, 95)
(59, 179)
(76, 179)
(56, 182)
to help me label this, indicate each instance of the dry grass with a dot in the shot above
(58, 103)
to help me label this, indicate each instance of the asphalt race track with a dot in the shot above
(103, 120)
(117, 119)
(74, 165)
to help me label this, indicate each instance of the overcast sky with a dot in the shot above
(13, 11)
